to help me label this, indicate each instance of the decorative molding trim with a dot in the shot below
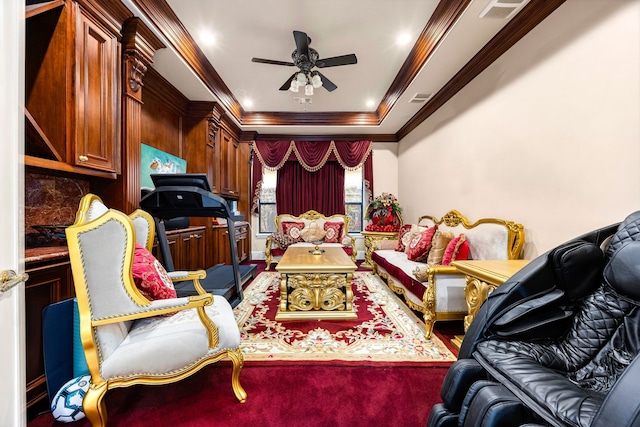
(440, 23)
(525, 21)
(136, 71)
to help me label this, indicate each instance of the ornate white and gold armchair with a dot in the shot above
(127, 338)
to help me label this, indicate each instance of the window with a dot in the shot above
(267, 205)
(353, 197)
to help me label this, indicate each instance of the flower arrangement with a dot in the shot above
(384, 212)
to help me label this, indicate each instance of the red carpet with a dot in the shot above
(283, 395)
(385, 330)
(279, 396)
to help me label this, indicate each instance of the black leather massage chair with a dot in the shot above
(557, 344)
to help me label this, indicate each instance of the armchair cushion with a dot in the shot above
(150, 276)
(140, 351)
(334, 232)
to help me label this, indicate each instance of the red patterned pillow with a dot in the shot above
(418, 249)
(334, 232)
(401, 246)
(150, 276)
(457, 250)
(293, 229)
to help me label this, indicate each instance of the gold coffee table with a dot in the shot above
(315, 286)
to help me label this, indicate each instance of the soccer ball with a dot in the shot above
(66, 405)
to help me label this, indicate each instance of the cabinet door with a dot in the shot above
(45, 286)
(229, 174)
(97, 88)
(174, 241)
(193, 250)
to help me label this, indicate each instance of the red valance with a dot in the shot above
(312, 156)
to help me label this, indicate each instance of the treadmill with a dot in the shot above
(189, 195)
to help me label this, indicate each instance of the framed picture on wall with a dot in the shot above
(154, 161)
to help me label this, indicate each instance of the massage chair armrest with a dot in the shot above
(621, 407)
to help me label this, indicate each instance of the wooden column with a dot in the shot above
(139, 46)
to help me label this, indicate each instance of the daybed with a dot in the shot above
(425, 279)
(309, 229)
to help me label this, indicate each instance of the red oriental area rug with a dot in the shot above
(385, 331)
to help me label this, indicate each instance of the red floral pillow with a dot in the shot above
(418, 249)
(334, 232)
(150, 276)
(293, 229)
(401, 247)
(457, 250)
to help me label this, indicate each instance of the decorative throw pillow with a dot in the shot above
(150, 276)
(334, 232)
(312, 233)
(293, 229)
(420, 244)
(439, 243)
(421, 273)
(402, 243)
(457, 249)
(282, 240)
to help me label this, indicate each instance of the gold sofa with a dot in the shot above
(439, 292)
(273, 251)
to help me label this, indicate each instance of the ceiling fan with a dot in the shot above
(307, 58)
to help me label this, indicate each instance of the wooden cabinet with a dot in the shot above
(222, 254)
(72, 89)
(97, 94)
(229, 149)
(187, 248)
(48, 283)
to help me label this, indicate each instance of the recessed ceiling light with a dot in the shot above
(370, 103)
(403, 39)
(248, 103)
(206, 38)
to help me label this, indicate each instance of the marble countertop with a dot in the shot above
(45, 253)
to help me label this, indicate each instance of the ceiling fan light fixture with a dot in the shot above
(308, 90)
(316, 81)
(302, 79)
(294, 86)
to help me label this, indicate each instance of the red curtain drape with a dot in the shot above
(298, 190)
(312, 156)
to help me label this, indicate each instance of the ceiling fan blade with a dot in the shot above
(287, 84)
(271, 61)
(328, 84)
(302, 43)
(337, 60)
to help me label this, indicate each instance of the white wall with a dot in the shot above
(385, 180)
(547, 136)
